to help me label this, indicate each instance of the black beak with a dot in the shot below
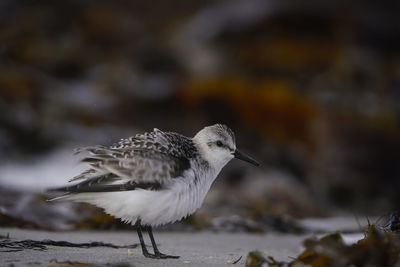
(240, 155)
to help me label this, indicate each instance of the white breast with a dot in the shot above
(181, 197)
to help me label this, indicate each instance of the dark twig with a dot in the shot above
(236, 261)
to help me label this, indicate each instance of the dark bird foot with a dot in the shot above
(159, 256)
(165, 256)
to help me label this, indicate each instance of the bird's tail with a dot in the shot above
(63, 197)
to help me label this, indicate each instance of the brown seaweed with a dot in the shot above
(379, 247)
(8, 245)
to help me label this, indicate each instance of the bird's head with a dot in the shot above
(217, 144)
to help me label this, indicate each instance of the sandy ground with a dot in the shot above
(195, 249)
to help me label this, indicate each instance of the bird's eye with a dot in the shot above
(219, 143)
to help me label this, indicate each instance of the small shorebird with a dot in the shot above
(154, 178)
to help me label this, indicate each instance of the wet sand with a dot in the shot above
(195, 249)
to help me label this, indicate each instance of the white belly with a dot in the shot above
(179, 200)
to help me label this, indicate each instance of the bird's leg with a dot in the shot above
(157, 253)
(142, 244)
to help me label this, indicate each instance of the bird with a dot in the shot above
(154, 178)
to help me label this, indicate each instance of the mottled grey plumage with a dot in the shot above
(140, 161)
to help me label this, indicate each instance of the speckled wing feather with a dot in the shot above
(141, 161)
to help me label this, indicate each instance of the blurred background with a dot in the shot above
(311, 89)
